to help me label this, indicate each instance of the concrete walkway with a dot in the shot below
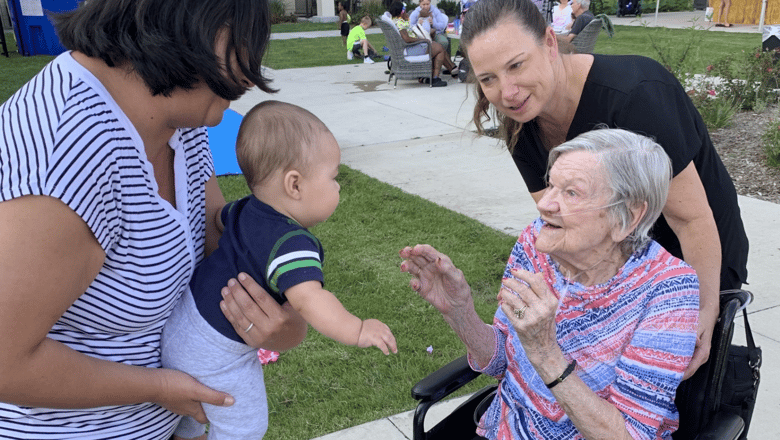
(418, 139)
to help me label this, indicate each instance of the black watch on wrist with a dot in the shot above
(569, 369)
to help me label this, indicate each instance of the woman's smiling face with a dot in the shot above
(515, 71)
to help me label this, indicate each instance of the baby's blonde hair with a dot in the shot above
(276, 135)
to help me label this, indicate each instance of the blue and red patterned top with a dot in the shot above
(632, 337)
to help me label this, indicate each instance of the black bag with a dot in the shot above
(741, 379)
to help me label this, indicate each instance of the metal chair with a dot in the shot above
(401, 64)
(698, 398)
(585, 41)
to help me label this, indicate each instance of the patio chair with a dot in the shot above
(698, 398)
(401, 64)
(585, 41)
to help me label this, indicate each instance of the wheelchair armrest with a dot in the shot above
(743, 296)
(444, 381)
(723, 426)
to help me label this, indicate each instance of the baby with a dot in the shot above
(290, 161)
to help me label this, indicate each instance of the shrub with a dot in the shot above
(449, 7)
(771, 140)
(677, 54)
(668, 6)
(608, 7)
(277, 8)
(751, 78)
(372, 8)
(716, 111)
(278, 15)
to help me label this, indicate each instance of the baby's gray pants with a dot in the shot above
(191, 345)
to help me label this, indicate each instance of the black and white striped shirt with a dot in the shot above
(63, 136)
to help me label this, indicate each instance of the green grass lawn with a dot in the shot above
(314, 52)
(712, 46)
(17, 69)
(321, 386)
(329, 51)
(304, 26)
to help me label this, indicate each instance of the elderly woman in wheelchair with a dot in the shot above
(596, 321)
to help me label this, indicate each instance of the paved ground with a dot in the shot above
(418, 139)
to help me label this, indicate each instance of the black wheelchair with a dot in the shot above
(698, 398)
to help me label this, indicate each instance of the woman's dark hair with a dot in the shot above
(480, 18)
(396, 8)
(171, 43)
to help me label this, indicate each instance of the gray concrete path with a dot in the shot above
(419, 139)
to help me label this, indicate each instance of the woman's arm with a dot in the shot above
(327, 315)
(215, 201)
(688, 213)
(407, 38)
(48, 258)
(414, 17)
(443, 285)
(440, 19)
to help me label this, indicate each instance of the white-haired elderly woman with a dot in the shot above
(596, 322)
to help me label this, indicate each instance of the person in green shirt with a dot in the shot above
(356, 40)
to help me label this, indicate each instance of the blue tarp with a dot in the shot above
(222, 140)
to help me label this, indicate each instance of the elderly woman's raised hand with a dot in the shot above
(530, 307)
(435, 278)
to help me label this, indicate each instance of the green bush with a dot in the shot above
(668, 6)
(278, 15)
(449, 7)
(751, 78)
(277, 8)
(372, 8)
(771, 140)
(717, 112)
(677, 54)
(609, 7)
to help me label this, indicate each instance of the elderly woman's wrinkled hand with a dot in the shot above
(530, 307)
(435, 278)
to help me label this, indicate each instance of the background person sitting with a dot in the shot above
(433, 20)
(357, 41)
(579, 8)
(562, 17)
(588, 306)
(437, 52)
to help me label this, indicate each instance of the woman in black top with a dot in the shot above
(545, 98)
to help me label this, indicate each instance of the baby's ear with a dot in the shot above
(292, 184)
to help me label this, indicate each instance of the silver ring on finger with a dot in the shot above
(520, 313)
(251, 324)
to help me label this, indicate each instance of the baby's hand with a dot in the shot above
(377, 333)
